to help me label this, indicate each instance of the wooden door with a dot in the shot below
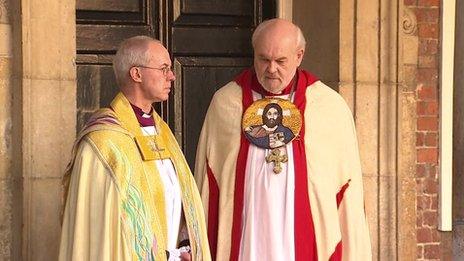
(209, 42)
(100, 27)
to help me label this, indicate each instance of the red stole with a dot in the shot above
(305, 240)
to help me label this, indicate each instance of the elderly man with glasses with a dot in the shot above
(130, 193)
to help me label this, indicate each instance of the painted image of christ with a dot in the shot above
(272, 133)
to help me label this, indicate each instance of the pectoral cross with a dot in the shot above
(276, 158)
(153, 146)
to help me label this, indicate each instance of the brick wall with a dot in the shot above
(428, 237)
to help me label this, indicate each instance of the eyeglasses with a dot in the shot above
(165, 70)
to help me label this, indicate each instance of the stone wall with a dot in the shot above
(10, 131)
(6, 153)
(48, 105)
(37, 123)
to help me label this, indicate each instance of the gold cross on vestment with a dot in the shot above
(153, 146)
(276, 158)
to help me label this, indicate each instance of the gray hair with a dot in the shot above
(300, 39)
(131, 52)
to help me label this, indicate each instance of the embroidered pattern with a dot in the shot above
(135, 217)
(271, 122)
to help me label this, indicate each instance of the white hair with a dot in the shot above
(300, 39)
(133, 51)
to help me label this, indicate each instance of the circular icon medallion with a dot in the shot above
(271, 122)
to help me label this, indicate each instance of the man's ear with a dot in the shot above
(300, 55)
(135, 75)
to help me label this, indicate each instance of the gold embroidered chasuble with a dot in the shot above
(115, 206)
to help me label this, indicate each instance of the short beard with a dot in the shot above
(271, 123)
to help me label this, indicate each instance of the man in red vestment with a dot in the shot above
(313, 208)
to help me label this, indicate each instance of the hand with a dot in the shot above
(185, 256)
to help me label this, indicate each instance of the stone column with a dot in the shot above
(6, 143)
(48, 109)
(374, 51)
(406, 196)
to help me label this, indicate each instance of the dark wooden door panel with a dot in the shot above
(115, 11)
(237, 13)
(212, 41)
(101, 26)
(96, 88)
(197, 78)
(214, 7)
(109, 5)
(105, 38)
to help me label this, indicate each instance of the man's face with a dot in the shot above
(276, 60)
(156, 83)
(272, 118)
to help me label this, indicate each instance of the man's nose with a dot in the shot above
(171, 76)
(272, 68)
